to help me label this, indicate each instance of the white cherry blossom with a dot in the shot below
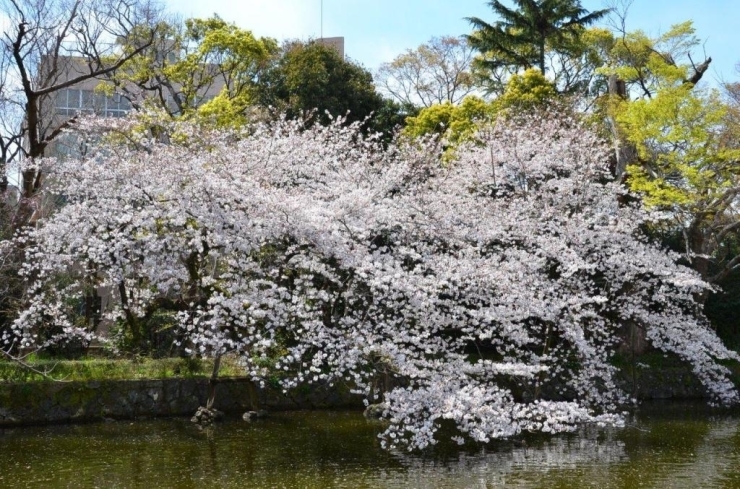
(478, 286)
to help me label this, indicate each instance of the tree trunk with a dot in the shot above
(624, 151)
(542, 57)
(212, 382)
(131, 320)
(696, 244)
(3, 178)
(700, 262)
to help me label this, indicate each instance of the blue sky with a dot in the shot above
(376, 31)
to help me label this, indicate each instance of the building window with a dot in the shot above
(72, 101)
(116, 105)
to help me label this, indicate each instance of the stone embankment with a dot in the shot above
(54, 402)
(57, 402)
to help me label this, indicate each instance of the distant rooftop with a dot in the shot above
(335, 43)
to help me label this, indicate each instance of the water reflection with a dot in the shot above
(662, 447)
(532, 462)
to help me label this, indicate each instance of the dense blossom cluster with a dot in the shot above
(475, 286)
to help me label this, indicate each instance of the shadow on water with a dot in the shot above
(663, 445)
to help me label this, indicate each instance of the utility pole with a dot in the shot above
(322, 19)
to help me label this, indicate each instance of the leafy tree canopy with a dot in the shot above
(308, 77)
(458, 123)
(204, 68)
(648, 64)
(521, 36)
(680, 159)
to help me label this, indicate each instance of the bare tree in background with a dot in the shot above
(47, 47)
(436, 72)
(10, 136)
(50, 45)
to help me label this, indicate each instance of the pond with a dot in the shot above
(663, 445)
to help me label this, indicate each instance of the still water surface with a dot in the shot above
(664, 445)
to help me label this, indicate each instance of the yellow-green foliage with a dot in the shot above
(225, 110)
(650, 64)
(459, 122)
(676, 133)
(674, 126)
(456, 122)
(596, 42)
(235, 51)
(206, 53)
(526, 91)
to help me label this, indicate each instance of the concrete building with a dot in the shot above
(335, 43)
(96, 96)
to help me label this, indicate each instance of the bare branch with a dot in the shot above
(31, 368)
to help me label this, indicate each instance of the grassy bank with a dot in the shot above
(86, 369)
(644, 367)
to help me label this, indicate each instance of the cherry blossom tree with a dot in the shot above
(489, 291)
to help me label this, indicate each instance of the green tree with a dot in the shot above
(455, 122)
(685, 167)
(390, 118)
(647, 64)
(522, 35)
(731, 134)
(204, 68)
(460, 122)
(310, 78)
(526, 92)
(636, 66)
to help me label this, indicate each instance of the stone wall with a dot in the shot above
(53, 402)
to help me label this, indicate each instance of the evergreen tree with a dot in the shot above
(520, 37)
